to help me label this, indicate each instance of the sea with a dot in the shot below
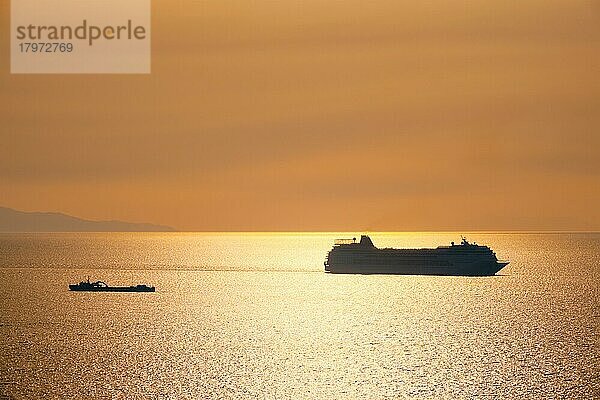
(254, 316)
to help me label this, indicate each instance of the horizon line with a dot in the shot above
(367, 232)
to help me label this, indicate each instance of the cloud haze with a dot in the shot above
(312, 115)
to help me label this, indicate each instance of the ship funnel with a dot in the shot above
(366, 241)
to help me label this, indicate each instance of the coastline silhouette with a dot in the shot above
(21, 221)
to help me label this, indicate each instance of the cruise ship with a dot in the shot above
(465, 259)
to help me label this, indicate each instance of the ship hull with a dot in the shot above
(76, 288)
(476, 269)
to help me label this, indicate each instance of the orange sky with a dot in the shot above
(323, 115)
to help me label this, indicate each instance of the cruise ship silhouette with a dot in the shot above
(464, 259)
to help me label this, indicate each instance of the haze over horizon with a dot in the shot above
(323, 116)
(52, 221)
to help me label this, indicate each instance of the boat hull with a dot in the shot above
(477, 269)
(77, 288)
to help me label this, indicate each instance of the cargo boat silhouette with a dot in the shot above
(465, 259)
(99, 286)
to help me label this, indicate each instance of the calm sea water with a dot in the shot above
(254, 316)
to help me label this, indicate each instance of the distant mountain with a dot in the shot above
(20, 221)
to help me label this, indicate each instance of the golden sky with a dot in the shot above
(323, 115)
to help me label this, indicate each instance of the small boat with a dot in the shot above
(99, 286)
